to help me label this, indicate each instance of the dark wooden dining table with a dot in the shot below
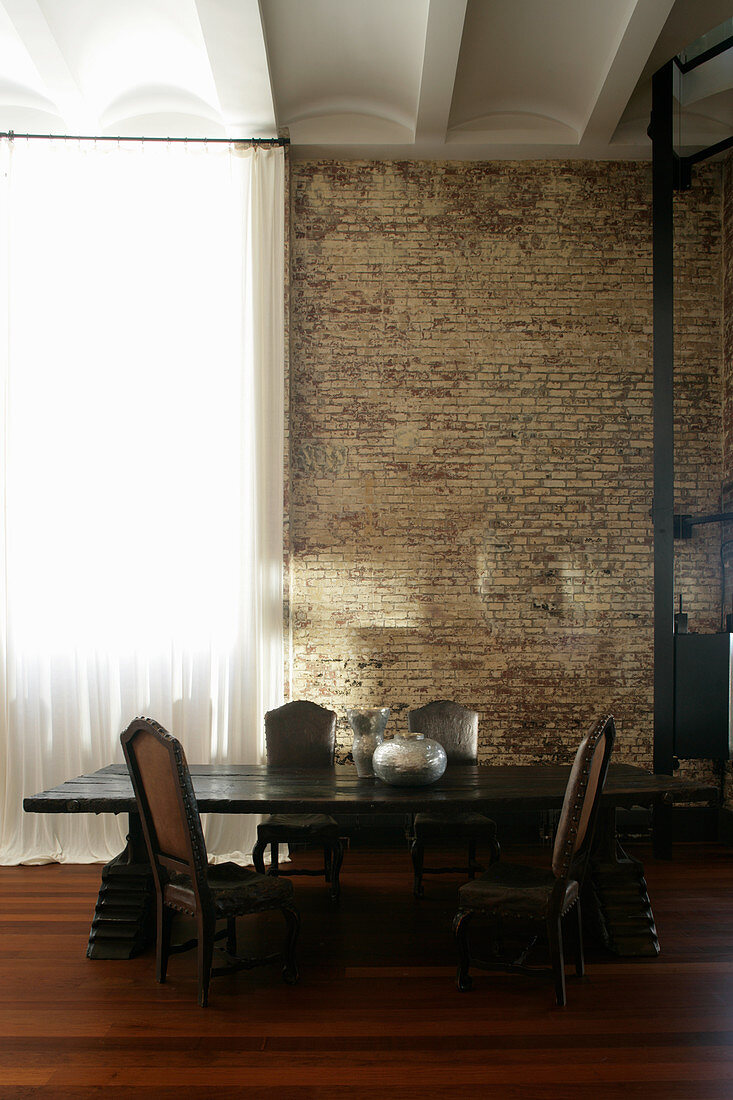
(617, 907)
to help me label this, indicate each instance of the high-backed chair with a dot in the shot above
(536, 897)
(300, 735)
(184, 880)
(456, 728)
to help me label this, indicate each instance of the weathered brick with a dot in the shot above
(471, 440)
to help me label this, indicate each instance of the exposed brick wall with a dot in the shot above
(727, 324)
(471, 462)
(727, 217)
(727, 400)
(287, 616)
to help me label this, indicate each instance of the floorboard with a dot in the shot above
(376, 1012)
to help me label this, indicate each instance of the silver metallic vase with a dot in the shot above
(412, 760)
(368, 726)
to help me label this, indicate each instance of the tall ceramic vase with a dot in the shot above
(368, 726)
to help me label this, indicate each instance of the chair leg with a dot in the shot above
(162, 940)
(231, 935)
(460, 930)
(292, 928)
(495, 850)
(418, 853)
(274, 859)
(258, 856)
(557, 957)
(579, 952)
(205, 954)
(336, 858)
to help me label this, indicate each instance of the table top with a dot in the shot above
(253, 788)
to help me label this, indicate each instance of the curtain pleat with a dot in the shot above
(141, 477)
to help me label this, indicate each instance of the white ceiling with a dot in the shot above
(448, 79)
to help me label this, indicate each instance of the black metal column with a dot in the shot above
(663, 508)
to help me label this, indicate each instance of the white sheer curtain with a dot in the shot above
(141, 480)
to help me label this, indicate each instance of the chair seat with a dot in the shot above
(515, 889)
(284, 827)
(457, 826)
(235, 891)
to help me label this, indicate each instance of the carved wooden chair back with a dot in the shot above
(582, 801)
(300, 734)
(454, 726)
(167, 804)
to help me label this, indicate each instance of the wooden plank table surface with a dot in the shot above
(253, 788)
(615, 895)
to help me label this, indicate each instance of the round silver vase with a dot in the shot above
(410, 760)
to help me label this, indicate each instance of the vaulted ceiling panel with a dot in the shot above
(530, 70)
(687, 21)
(142, 66)
(346, 72)
(466, 79)
(135, 58)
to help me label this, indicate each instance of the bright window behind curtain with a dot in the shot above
(142, 475)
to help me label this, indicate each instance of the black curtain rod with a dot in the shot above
(108, 137)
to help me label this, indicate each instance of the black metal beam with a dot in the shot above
(702, 58)
(709, 151)
(663, 180)
(683, 524)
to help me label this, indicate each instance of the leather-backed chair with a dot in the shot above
(184, 880)
(300, 734)
(535, 897)
(456, 728)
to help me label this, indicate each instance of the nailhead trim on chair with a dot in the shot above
(574, 822)
(189, 802)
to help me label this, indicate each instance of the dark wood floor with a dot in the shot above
(376, 1012)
